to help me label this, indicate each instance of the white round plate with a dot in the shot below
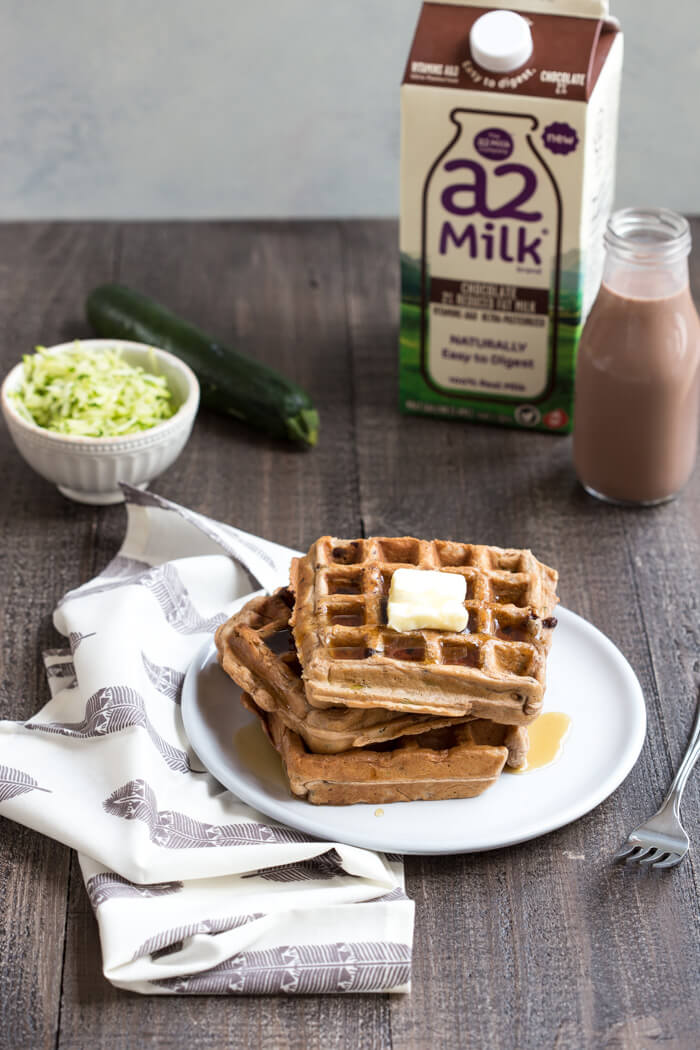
(588, 678)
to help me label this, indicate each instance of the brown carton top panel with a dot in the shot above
(568, 54)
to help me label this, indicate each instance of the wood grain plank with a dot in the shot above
(46, 546)
(530, 947)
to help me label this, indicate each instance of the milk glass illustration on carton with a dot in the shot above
(507, 177)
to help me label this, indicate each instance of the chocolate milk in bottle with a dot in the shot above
(509, 123)
(638, 372)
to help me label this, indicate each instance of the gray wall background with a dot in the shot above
(244, 108)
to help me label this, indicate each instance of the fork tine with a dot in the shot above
(624, 851)
(637, 858)
(671, 860)
(636, 854)
(652, 857)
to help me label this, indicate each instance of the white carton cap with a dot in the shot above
(500, 41)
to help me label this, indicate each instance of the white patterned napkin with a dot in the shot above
(194, 892)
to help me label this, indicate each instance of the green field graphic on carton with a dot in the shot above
(416, 395)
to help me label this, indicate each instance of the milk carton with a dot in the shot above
(508, 133)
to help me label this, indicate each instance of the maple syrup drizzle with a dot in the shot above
(547, 735)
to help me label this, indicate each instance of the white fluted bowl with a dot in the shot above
(89, 469)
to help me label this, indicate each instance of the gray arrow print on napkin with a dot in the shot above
(14, 782)
(107, 885)
(121, 566)
(62, 670)
(231, 545)
(171, 940)
(110, 710)
(165, 680)
(137, 801)
(171, 594)
(327, 866)
(341, 967)
(397, 894)
(120, 572)
(75, 638)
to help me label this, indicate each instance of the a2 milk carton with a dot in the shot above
(508, 134)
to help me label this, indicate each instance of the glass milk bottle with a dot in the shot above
(638, 368)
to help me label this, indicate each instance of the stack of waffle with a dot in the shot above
(361, 713)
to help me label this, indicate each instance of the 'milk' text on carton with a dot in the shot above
(509, 127)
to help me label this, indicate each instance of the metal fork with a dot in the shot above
(661, 842)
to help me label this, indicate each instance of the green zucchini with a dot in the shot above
(229, 382)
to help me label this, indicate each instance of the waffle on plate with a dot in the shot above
(495, 670)
(457, 761)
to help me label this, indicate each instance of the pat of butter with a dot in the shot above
(425, 598)
(405, 616)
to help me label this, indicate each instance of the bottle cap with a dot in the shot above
(500, 41)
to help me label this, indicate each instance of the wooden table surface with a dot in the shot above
(549, 944)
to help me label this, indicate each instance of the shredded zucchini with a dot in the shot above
(93, 393)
